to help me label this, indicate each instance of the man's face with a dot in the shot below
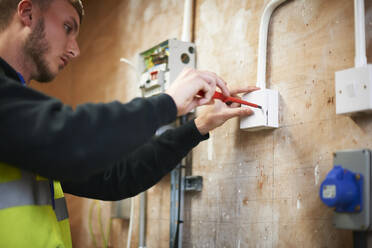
(52, 42)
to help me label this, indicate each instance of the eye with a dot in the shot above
(67, 28)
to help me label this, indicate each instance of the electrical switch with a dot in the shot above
(354, 85)
(354, 90)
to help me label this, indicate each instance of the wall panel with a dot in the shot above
(261, 188)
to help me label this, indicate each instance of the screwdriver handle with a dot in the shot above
(220, 96)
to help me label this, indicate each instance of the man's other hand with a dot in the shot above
(216, 114)
(184, 90)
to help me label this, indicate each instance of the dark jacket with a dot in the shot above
(103, 151)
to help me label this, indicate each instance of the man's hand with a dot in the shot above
(184, 90)
(217, 114)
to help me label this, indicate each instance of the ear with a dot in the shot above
(25, 12)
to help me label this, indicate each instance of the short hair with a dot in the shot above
(78, 5)
(8, 8)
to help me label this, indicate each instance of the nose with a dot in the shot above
(73, 48)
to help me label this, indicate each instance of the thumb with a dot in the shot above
(206, 95)
(235, 112)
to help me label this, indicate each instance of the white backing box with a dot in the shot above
(265, 118)
(354, 90)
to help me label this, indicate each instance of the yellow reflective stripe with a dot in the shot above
(61, 209)
(24, 191)
(9, 173)
(25, 206)
(60, 202)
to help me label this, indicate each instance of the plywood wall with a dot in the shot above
(261, 188)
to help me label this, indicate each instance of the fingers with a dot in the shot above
(186, 71)
(208, 93)
(211, 81)
(235, 112)
(219, 82)
(235, 105)
(199, 103)
(237, 91)
(246, 89)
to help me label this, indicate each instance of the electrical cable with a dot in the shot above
(105, 238)
(95, 202)
(175, 244)
(130, 228)
(187, 30)
(109, 223)
(262, 42)
(130, 222)
(360, 239)
(360, 34)
(187, 21)
(131, 64)
(100, 223)
(183, 120)
(92, 204)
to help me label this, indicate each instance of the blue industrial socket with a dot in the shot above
(342, 189)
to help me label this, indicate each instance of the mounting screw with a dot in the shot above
(340, 91)
(365, 86)
(357, 208)
(357, 177)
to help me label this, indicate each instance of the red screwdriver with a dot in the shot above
(220, 96)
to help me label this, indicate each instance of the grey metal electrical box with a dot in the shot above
(357, 161)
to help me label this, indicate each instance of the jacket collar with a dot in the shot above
(8, 71)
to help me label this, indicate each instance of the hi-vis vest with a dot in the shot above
(27, 217)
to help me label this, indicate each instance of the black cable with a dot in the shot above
(183, 120)
(175, 244)
(360, 239)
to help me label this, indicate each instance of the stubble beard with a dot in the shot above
(35, 48)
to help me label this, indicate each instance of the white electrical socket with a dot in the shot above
(354, 90)
(265, 118)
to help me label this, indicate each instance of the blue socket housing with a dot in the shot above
(342, 189)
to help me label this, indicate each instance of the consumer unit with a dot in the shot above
(160, 65)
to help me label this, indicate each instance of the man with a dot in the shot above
(102, 151)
